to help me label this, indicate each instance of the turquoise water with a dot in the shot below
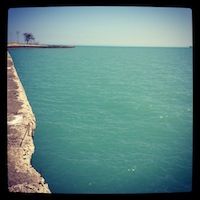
(111, 119)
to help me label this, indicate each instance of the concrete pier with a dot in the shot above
(21, 123)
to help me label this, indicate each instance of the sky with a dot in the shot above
(103, 25)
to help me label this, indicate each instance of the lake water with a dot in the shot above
(110, 119)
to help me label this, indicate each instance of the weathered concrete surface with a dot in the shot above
(22, 177)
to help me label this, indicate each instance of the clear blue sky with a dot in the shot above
(120, 26)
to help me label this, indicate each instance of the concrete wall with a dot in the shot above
(21, 122)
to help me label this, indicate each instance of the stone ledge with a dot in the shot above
(21, 123)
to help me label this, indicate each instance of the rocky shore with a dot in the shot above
(21, 122)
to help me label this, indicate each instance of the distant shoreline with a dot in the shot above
(16, 45)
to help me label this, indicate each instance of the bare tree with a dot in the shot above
(28, 37)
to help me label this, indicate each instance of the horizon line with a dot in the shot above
(107, 45)
(133, 46)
